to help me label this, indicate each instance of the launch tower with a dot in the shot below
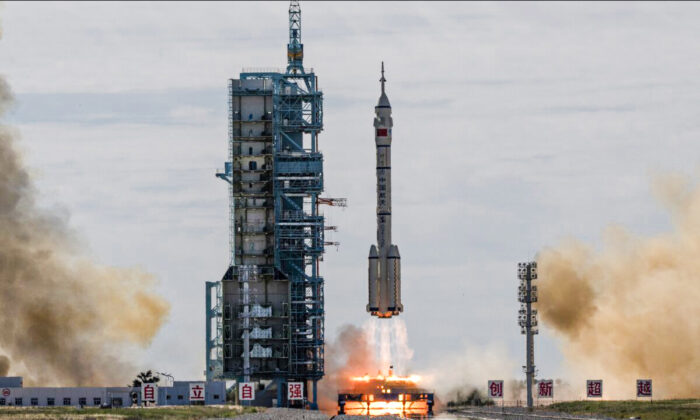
(265, 318)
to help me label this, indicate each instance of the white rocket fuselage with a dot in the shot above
(384, 258)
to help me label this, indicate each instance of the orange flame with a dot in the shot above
(379, 408)
(413, 379)
(373, 402)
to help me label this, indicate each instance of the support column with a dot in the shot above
(207, 363)
(527, 294)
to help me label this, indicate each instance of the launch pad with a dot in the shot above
(386, 395)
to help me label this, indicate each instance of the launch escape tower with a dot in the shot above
(265, 318)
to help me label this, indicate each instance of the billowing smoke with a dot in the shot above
(65, 320)
(467, 368)
(631, 310)
(4, 365)
(351, 354)
(367, 350)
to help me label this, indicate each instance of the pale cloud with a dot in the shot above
(515, 125)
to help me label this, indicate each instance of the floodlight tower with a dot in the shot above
(527, 319)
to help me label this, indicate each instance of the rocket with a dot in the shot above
(384, 259)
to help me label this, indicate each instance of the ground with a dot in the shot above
(657, 410)
(70, 413)
(187, 412)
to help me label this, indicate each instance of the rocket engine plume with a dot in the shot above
(631, 310)
(64, 318)
(360, 351)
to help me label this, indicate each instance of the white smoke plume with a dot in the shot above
(469, 368)
(389, 339)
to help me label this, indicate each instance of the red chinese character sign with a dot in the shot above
(594, 388)
(644, 387)
(6, 392)
(496, 389)
(197, 392)
(149, 393)
(246, 391)
(545, 388)
(295, 391)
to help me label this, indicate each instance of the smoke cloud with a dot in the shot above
(351, 354)
(65, 319)
(367, 350)
(4, 365)
(463, 370)
(631, 310)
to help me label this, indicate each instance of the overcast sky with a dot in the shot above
(515, 125)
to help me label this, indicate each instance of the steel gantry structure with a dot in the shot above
(265, 318)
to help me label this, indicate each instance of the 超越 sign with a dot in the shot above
(594, 388)
(644, 387)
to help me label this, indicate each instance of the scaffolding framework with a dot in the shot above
(272, 328)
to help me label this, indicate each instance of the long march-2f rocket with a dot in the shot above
(384, 258)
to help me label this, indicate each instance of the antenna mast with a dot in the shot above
(295, 49)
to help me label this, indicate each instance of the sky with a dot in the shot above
(516, 125)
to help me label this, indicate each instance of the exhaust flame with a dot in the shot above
(413, 379)
(378, 344)
(631, 310)
(65, 320)
(389, 339)
(386, 395)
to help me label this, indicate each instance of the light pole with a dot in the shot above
(527, 319)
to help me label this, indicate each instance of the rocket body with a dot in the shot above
(384, 259)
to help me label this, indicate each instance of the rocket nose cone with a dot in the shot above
(373, 252)
(383, 101)
(394, 251)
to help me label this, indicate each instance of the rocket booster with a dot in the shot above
(384, 258)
